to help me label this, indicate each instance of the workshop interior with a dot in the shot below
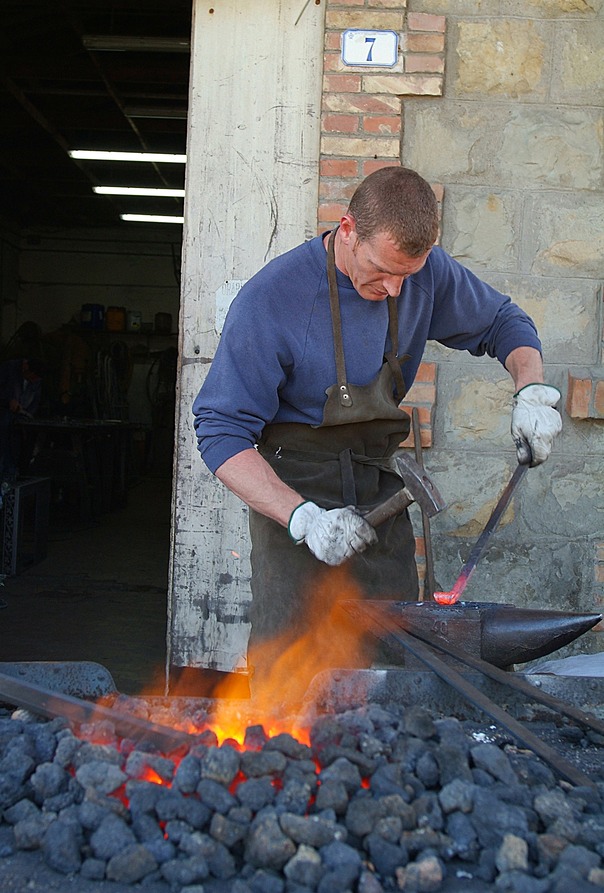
(89, 271)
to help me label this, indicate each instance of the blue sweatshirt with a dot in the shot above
(275, 358)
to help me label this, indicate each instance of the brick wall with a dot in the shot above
(361, 121)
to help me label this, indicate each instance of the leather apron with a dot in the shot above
(343, 461)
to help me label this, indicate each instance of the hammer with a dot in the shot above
(418, 488)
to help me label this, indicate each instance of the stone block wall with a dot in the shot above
(500, 105)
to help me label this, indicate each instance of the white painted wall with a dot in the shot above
(251, 193)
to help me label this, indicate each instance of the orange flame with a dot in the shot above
(284, 667)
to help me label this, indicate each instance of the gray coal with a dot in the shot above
(381, 800)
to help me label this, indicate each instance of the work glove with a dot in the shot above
(535, 422)
(332, 536)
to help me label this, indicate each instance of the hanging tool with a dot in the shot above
(449, 598)
(429, 581)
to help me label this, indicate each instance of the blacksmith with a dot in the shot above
(299, 414)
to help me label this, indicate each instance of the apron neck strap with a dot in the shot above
(392, 354)
(336, 322)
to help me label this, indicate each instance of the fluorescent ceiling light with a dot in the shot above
(156, 112)
(144, 44)
(152, 218)
(94, 155)
(138, 190)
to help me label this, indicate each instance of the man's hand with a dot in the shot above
(535, 422)
(332, 536)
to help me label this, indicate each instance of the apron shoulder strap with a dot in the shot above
(336, 322)
(392, 354)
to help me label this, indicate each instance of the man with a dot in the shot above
(299, 415)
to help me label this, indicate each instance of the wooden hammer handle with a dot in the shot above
(391, 507)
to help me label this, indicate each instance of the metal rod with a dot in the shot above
(49, 703)
(429, 581)
(478, 699)
(483, 540)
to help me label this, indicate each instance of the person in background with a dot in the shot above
(20, 393)
(300, 412)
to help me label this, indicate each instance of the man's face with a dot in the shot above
(376, 266)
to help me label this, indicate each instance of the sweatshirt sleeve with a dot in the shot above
(471, 315)
(240, 393)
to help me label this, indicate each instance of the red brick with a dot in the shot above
(578, 397)
(333, 40)
(423, 62)
(375, 164)
(422, 21)
(339, 123)
(332, 62)
(422, 392)
(425, 43)
(342, 83)
(332, 212)
(336, 190)
(424, 412)
(339, 167)
(426, 372)
(425, 435)
(382, 124)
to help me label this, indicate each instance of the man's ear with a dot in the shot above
(347, 227)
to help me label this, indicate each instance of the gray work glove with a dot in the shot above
(332, 536)
(535, 422)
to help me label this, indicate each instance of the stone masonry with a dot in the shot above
(499, 105)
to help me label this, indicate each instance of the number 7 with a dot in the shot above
(370, 40)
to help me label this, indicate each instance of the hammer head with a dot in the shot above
(419, 485)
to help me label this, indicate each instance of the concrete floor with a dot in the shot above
(100, 594)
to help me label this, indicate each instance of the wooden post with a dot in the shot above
(251, 193)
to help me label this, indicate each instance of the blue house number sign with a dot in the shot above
(377, 49)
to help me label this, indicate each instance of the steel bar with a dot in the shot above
(449, 598)
(472, 694)
(50, 704)
(429, 581)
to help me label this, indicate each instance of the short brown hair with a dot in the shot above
(397, 201)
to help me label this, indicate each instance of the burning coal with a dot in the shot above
(256, 798)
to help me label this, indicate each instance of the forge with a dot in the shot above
(381, 779)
